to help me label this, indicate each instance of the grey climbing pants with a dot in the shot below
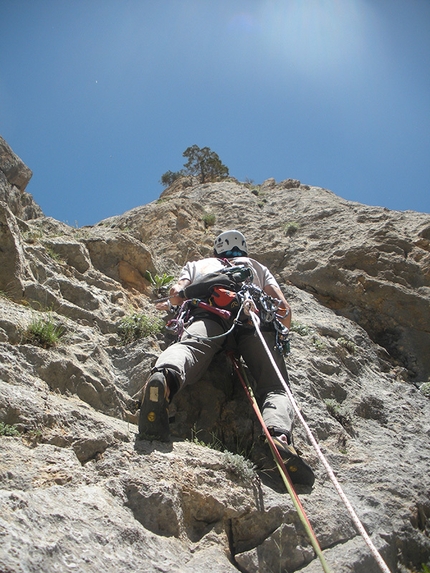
(190, 357)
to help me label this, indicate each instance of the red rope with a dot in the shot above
(274, 449)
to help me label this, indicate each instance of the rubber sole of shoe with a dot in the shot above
(298, 470)
(154, 415)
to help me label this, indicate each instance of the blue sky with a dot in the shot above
(101, 97)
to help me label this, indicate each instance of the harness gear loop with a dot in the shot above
(279, 462)
(355, 519)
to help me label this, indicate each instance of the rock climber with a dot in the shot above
(186, 360)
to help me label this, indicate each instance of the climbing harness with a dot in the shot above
(184, 319)
(279, 462)
(264, 305)
(381, 563)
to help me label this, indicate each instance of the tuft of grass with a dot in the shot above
(45, 332)
(348, 344)
(301, 329)
(336, 411)
(318, 343)
(333, 407)
(32, 237)
(425, 389)
(215, 444)
(237, 464)
(55, 256)
(137, 326)
(291, 228)
(8, 430)
(209, 219)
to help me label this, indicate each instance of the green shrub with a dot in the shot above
(8, 430)
(348, 344)
(209, 219)
(291, 228)
(45, 332)
(32, 236)
(425, 389)
(301, 329)
(333, 407)
(54, 256)
(318, 343)
(137, 326)
(239, 466)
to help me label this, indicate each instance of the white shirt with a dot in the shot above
(195, 270)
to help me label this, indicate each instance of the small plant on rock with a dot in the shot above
(159, 282)
(318, 343)
(336, 411)
(54, 256)
(215, 444)
(8, 430)
(301, 329)
(209, 219)
(333, 407)
(32, 237)
(291, 228)
(348, 344)
(239, 466)
(137, 326)
(425, 389)
(45, 332)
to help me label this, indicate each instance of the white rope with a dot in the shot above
(354, 517)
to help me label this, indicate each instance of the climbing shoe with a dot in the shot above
(298, 469)
(154, 415)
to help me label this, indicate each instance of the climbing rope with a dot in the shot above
(381, 563)
(279, 462)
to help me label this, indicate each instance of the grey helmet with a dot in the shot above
(230, 244)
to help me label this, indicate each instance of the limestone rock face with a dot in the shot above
(14, 177)
(78, 491)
